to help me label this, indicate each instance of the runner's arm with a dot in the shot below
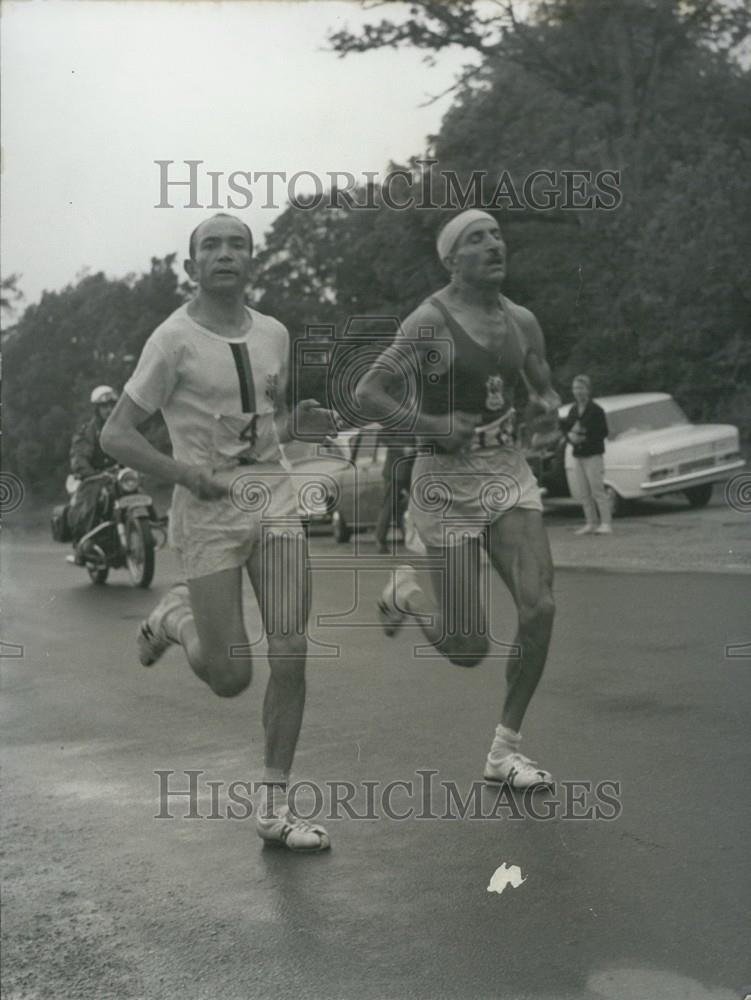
(122, 439)
(537, 373)
(395, 376)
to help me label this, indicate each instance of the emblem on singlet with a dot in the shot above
(500, 431)
(494, 400)
(272, 387)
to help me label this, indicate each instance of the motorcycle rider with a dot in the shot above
(87, 460)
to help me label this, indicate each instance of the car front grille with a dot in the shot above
(669, 467)
(697, 463)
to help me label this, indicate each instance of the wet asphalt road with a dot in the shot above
(102, 900)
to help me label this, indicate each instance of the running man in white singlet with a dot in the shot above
(218, 371)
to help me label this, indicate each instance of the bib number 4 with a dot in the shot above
(249, 435)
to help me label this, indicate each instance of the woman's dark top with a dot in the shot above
(593, 422)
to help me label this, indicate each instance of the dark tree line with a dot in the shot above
(653, 295)
(88, 334)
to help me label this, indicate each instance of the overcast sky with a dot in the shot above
(94, 93)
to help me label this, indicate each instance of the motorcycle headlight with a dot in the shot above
(128, 480)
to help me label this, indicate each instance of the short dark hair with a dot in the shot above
(219, 215)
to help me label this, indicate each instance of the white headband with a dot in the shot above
(449, 235)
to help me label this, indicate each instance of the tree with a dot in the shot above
(611, 57)
(10, 294)
(64, 345)
(653, 295)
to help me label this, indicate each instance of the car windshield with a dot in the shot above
(646, 417)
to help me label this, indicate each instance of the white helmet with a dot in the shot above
(103, 394)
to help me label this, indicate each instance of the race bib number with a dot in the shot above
(246, 439)
(500, 433)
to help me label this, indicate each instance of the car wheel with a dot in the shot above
(342, 531)
(699, 496)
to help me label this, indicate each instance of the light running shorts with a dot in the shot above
(457, 496)
(214, 535)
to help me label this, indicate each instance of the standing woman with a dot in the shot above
(586, 428)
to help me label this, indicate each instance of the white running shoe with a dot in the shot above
(586, 529)
(517, 771)
(604, 529)
(153, 639)
(393, 606)
(287, 830)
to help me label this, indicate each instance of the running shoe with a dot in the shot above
(517, 771)
(287, 830)
(153, 638)
(393, 606)
(586, 529)
(604, 529)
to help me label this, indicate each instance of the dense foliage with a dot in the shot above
(655, 294)
(88, 334)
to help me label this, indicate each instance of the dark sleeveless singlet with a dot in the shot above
(479, 380)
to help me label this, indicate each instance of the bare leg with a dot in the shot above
(518, 549)
(458, 626)
(277, 571)
(214, 627)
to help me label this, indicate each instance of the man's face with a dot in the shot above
(580, 391)
(222, 256)
(480, 255)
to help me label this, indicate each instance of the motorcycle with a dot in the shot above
(127, 531)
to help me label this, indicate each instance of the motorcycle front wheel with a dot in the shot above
(139, 557)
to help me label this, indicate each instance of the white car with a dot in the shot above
(340, 483)
(653, 449)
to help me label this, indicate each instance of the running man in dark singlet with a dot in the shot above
(471, 485)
